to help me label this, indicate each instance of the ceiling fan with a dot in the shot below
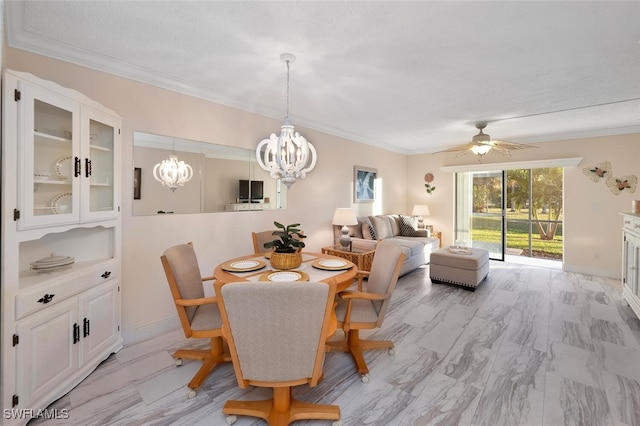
(481, 144)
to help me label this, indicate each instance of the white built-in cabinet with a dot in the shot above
(61, 168)
(631, 260)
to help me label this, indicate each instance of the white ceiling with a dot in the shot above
(413, 77)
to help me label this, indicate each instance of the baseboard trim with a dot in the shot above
(150, 331)
(587, 270)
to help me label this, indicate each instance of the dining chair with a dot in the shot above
(259, 238)
(276, 332)
(366, 307)
(199, 315)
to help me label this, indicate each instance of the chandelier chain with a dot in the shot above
(287, 87)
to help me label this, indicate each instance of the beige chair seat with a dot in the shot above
(206, 317)
(362, 310)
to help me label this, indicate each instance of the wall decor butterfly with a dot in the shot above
(599, 171)
(619, 184)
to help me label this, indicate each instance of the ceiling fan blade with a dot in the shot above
(464, 147)
(511, 146)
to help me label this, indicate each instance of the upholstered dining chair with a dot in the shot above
(276, 332)
(199, 315)
(366, 308)
(259, 238)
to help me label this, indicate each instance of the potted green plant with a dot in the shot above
(286, 248)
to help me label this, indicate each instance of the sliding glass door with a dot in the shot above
(480, 211)
(515, 212)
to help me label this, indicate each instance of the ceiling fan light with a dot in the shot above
(481, 149)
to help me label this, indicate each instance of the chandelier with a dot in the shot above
(171, 172)
(289, 156)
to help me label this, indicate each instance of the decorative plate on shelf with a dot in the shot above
(243, 265)
(284, 276)
(63, 167)
(61, 203)
(52, 263)
(331, 264)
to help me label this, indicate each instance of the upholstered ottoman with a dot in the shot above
(468, 270)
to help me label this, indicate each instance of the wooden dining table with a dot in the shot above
(343, 278)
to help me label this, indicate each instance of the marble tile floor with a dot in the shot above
(531, 346)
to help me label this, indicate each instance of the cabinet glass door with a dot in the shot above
(629, 264)
(100, 179)
(49, 158)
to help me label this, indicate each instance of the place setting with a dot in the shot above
(332, 264)
(248, 265)
(284, 276)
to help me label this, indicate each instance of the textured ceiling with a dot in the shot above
(409, 76)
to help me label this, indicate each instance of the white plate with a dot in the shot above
(52, 262)
(52, 269)
(53, 259)
(332, 263)
(63, 167)
(284, 276)
(245, 264)
(61, 203)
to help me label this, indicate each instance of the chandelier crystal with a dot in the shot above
(289, 156)
(172, 173)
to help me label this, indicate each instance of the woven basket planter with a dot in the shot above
(286, 260)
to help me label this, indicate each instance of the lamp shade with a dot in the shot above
(421, 210)
(344, 216)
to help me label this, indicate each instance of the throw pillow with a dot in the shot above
(368, 233)
(372, 232)
(381, 226)
(408, 226)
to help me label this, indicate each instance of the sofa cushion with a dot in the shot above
(394, 221)
(410, 247)
(381, 226)
(408, 226)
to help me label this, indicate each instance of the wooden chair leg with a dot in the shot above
(210, 360)
(282, 409)
(355, 347)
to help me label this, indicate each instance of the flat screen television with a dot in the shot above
(256, 193)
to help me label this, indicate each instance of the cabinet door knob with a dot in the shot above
(46, 298)
(106, 274)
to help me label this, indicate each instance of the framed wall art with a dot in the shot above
(364, 184)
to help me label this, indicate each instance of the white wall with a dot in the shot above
(592, 226)
(147, 307)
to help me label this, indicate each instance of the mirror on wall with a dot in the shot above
(224, 178)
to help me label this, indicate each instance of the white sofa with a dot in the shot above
(416, 244)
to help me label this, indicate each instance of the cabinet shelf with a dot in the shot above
(52, 181)
(51, 137)
(31, 278)
(100, 148)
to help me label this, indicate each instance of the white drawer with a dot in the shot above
(632, 223)
(62, 287)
